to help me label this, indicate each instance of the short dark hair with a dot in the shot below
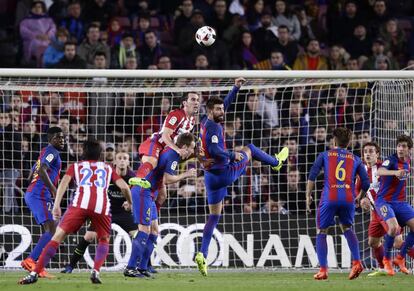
(215, 100)
(283, 26)
(92, 150)
(371, 144)
(405, 138)
(342, 136)
(185, 139)
(69, 43)
(100, 54)
(93, 25)
(185, 97)
(52, 131)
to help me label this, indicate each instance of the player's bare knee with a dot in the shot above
(153, 161)
(374, 242)
(398, 242)
(59, 235)
(393, 230)
(90, 236)
(154, 228)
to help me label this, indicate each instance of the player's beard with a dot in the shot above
(219, 119)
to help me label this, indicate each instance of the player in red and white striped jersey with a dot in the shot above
(377, 227)
(91, 202)
(178, 121)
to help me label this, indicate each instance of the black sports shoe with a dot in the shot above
(95, 277)
(29, 279)
(145, 273)
(132, 273)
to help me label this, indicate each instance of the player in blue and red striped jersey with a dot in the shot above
(143, 201)
(38, 197)
(340, 170)
(223, 167)
(392, 205)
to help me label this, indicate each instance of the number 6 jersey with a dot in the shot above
(92, 181)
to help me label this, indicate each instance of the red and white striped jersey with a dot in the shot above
(178, 121)
(92, 181)
(374, 181)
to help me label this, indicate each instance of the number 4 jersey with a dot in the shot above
(340, 170)
(92, 181)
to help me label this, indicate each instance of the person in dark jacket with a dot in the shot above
(70, 59)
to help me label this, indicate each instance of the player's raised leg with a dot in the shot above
(275, 162)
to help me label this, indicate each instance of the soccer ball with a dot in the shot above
(205, 36)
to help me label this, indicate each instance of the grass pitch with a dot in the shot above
(216, 281)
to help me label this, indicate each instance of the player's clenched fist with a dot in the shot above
(191, 173)
(239, 82)
(56, 212)
(238, 156)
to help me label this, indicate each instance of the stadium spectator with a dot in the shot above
(221, 19)
(143, 26)
(55, 51)
(99, 12)
(343, 26)
(382, 63)
(268, 108)
(307, 26)
(410, 65)
(115, 33)
(285, 45)
(201, 62)
(99, 62)
(379, 17)
(252, 122)
(124, 50)
(293, 192)
(395, 40)
(234, 138)
(127, 115)
(164, 63)
(10, 157)
(352, 64)
(317, 144)
(312, 59)
(131, 63)
(364, 137)
(277, 61)
(70, 60)
(254, 12)
(152, 50)
(73, 22)
(378, 49)
(337, 58)
(293, 161)
(284, 16)
(185, 11)
(154, 122)
(36, 31)
(185, 39)
(264, 35)
(359, 44)
(298, 121)
(341, 103)
(245, 55)
(31, 135)
(92, 44)
(110, 152)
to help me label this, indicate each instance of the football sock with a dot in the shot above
(47, 254)
(139, 244)
(388, 244)
(379, 255)
(211, 224)
(258, 154)
(322, 250)
(353, 244)
(43, 240)
(409, 242)
(78, 253)
(144, 170)
(152, 240)
(101, 253)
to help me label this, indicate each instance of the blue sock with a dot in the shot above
(211, 224)
(139, 244)
(353, 244)
(258, 154)
(388, 244)
(322, 249)
(152, 240)
(409, 242)
(43, 240)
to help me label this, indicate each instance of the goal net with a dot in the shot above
(264, 222)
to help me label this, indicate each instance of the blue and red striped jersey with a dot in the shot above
(341, 168)
(392, 188)
(49, 156)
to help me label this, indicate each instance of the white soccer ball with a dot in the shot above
(205, 36)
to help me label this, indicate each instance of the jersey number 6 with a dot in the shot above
(340, 173)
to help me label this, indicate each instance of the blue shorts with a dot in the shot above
(143, 206)
(40, 207)
(403, 211)
(218, 180)
(328, 210)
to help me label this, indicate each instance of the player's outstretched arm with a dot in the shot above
(233, 92)
(123, 186)
(166, 137)
(385, 172)
(64, 184)
(46, 179)
(171, 179)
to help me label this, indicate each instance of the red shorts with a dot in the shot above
(377, 227)
(75, 217)
(150, 148)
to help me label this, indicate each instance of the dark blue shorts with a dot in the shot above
(143, 206)
(40, 207)
(403, 211)
(328, 210)
(218, 180)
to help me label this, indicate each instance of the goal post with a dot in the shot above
(264, 223)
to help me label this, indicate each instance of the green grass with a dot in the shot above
(216, 281)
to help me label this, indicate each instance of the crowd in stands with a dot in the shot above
(251, 34)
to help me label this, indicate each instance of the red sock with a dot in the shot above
(379, 255)
(101, 253)
(410, 253)
(144, 170)
(47, 254)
